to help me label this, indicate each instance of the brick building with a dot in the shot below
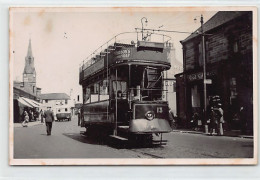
(229, 64)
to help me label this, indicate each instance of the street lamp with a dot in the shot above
(204, 70)
(143, 26)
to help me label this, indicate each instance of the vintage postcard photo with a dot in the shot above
(133, 86)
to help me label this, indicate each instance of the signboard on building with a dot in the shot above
(199, 76)
(208, 81)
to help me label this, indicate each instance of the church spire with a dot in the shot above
(29, 52)
(29, 61)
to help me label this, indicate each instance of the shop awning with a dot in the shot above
(22, 101)
(31, 102)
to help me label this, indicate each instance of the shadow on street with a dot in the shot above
(108, 141)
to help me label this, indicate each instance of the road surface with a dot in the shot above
(67, 142)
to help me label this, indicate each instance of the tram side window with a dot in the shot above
(119, 89)
(86, 97)
(103, 87)
(94, 91)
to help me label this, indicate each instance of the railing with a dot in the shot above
(109, 45)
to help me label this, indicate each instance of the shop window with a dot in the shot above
(195, 96)
(233, 87)
(235, 47)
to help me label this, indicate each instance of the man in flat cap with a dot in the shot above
(49, 118)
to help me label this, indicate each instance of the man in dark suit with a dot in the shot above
(49, 118)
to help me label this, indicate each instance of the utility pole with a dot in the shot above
(204, 72)
(143, 26)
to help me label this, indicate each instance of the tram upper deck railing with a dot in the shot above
(127, 46)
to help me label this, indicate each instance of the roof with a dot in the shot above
(55, 96)
(23, 90)
(17, 84)
(217, 20)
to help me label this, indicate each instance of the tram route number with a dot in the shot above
(125, 53)
(159, 110)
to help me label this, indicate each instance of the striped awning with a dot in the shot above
(22, 101)
(31, 102)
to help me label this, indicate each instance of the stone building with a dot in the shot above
(229, 65)
(28, 86)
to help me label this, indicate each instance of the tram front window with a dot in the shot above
(146, 83)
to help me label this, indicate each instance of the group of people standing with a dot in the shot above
(215, 118)
(48, 116)
(32, 113)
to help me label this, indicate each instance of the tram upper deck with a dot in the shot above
(149, 53)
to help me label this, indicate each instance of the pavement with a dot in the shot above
(34, 123)
(231, 133)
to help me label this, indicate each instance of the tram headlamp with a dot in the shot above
(149, 115)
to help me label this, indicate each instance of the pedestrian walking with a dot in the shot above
(172, 121)
(41, 116)
(221, 119)
(26, 119)
(79, 114)
(36, 115)
(49, 118)
(30, 115)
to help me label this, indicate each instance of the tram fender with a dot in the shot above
(149, 126)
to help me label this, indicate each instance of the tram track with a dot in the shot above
(121, 145)
(147, 154)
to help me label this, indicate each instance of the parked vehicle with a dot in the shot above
(63, 113)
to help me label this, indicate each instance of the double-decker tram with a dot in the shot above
(123, 89)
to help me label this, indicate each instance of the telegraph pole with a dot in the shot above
(143, 26)
(204, 72)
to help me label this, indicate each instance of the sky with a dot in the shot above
(63, 37)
